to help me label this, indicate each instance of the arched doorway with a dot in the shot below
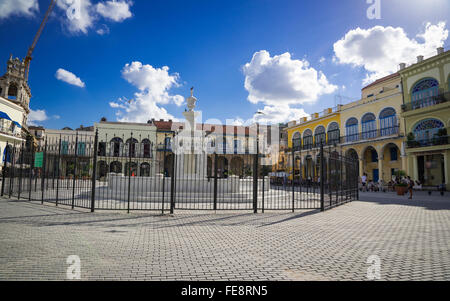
(222, 166)
(102, 169)
(391, 161)
(352, 155)
(370, 159)
(309, 168)
(133, 169)
(115, 167)
(145, 170)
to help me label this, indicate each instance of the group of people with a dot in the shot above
(373, 186)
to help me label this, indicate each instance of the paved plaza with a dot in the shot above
(411, 238)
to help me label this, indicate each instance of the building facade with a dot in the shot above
(372, 130)
(426, 112)
(125, 147)
(305, 139)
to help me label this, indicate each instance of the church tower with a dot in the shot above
(13, 85)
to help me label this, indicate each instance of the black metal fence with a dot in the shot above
(83, 172)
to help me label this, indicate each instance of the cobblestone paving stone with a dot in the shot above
(412, 238)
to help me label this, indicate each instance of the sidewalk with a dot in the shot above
(411, 237)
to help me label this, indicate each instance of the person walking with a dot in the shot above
(410, 187)
(364, 182)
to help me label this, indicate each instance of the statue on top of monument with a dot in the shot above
(191, 101)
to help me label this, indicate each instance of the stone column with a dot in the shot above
(361, 167)
(447, 169)
(380, 168)
(415, 170)
(405, 166)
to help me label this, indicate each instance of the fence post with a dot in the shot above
(94, 172)
(20, 172)
(44, 163)
(57, 169)
(5, 159)
(255, 176)
(75, 171)
(31, 169)
(164, 174)
(322, 197)
(357, 179)
(129, 172)
(172, 184)
(215, 181)
(293, 179)
(13, 174)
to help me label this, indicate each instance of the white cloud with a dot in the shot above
(279, 114)
(103, 30)
(380, 49)
(18, 7)
(36, 117)
(81, 15)
(115, 10)
(322, 60)
(280, 80)
(69, 77)
(154, 85)
(77, 15)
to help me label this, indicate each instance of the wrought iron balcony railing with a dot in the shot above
(443, 140)
(426, 102)
(369, 135)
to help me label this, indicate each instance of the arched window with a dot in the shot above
(130, 147)
(351, 129)
(333, 133)
(116, 147)
(146, 148)
(388, 122)
(307, 139)
(426, 130)
(320, 135)
(369, 126)
(12, 91)
(296, 141)
(423, 92)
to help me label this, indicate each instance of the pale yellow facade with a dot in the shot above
(373, 130)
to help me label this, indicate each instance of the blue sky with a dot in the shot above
(294, 63)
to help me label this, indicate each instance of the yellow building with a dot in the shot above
(373, 131)
(426, 112)
(305, 138)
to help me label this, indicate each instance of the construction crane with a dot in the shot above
(28, 58)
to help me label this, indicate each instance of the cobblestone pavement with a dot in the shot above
(411, 237)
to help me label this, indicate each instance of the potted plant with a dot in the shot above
(401, 187)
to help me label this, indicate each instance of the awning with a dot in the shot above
(3, 115)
